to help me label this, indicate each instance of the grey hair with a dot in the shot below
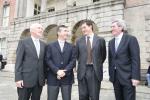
(120, 23)
(32, 26)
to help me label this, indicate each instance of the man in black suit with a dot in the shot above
(124, 62)
(61, 59)
(29, 67)
(91, 54)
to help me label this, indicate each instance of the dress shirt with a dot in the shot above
(61, 44)
(36, 44)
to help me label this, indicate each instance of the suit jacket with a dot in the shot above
(148, 70)
(126, 59)
(98, 56)
(1, 57)
(29, 67)
(56, 60)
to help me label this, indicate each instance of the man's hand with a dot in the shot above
(135, 82)
(58, 77)
(19, 84)
(45, 81)
(60, 74)
(74, 70)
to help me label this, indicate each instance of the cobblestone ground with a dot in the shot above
(8, 90)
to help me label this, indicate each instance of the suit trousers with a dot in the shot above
(53, 92)
(89, 86)
(123, 91)
(26, 93)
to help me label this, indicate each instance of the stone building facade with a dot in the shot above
(51, 13)
(7, 9)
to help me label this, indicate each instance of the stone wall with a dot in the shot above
(136, 15)
(12, 4)
(147, 18)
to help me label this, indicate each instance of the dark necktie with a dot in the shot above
(89, 51)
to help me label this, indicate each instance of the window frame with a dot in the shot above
(37, 9)
(5, 15)
(95, 1)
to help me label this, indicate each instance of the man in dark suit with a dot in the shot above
(124, 62)
(148, 77)
(2, 61)
(29, 67)
(91, 54)
(1, 58)
(61, 59)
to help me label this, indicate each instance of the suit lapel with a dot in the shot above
(113, 46)
(65, 47)
(41, 49)
(94, 41)
(33, 47)
(83, 43)
(121, 43)
(58, 47)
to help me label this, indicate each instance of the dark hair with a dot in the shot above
(61, 26)
(87, 22)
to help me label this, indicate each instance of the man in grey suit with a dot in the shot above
(124, 62)
(29, 67)
(91, 54)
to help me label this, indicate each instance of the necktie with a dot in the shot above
(116, 43)
(37, 46)
(89, 51)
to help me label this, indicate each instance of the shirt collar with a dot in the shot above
(91, 35)
(119, 36)
(34, 39)
(61, 41)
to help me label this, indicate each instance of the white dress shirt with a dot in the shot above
(117, 40)
(37, 45)
(61, 44)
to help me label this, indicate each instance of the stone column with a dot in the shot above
(16, 8)
(20, 10)
(30, 8)
(24, 8)
(43, 5)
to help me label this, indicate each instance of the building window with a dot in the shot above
(5, 17)
(96, 0)
(74, 4)
(52, 9)
(37, 9)
(3, 46)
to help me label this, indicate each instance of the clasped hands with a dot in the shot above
(60, 74)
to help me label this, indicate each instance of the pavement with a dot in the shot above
(8, 89)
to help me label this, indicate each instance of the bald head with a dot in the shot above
(36, 30)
